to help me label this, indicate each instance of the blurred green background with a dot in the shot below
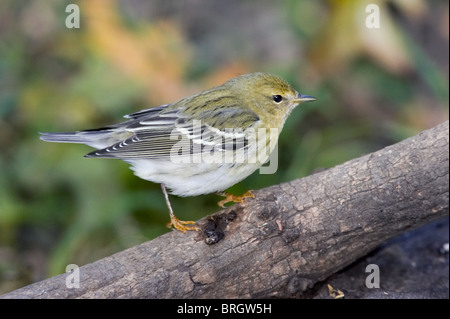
(375, 87)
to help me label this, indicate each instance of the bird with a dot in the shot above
(201, 144)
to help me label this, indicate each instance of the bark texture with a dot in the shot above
(286, 239)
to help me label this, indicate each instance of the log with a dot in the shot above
(286, 239)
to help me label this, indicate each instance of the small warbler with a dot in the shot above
(203, 143)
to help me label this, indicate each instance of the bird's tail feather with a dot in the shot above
(63, 137)
(95, 138)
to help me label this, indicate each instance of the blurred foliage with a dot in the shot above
(374, 87)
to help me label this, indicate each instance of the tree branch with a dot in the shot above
(285, 240)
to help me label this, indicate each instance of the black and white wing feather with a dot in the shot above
(153, 133)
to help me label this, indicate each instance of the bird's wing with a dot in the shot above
(162, 132)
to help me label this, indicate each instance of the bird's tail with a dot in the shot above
(99, 138)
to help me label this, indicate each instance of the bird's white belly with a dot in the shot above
(192, 179)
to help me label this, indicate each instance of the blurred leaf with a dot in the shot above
(149, 53)
(346, 37)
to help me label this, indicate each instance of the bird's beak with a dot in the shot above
(303, 98)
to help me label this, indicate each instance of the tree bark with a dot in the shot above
(286, 239)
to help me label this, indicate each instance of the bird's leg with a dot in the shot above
(175, 222)
(234, 198)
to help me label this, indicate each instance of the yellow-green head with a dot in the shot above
(267, 96)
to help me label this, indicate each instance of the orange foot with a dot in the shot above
(180, 224)
(234, 198)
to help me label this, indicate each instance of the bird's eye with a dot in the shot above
(277, 98)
